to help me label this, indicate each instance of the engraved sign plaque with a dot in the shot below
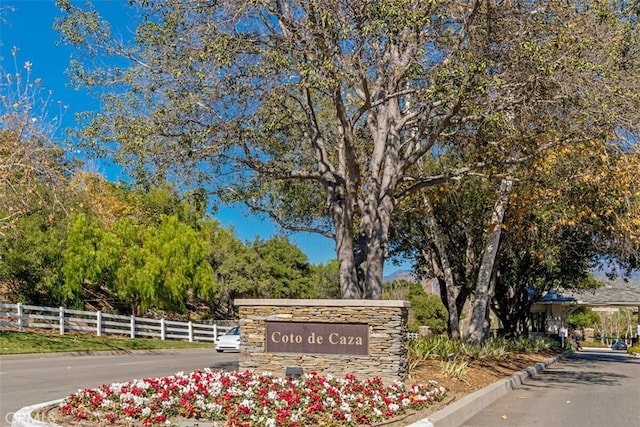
(317, 338)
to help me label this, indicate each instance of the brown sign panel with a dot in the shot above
(315, 338)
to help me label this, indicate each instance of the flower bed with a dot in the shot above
(248, 399)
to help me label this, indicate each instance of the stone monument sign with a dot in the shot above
(338, 337)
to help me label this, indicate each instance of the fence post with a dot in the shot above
(163, 329)
(133, 326)
(61, 320)
(99, 323)
(20, 312)
(215, 332)
(190, 331)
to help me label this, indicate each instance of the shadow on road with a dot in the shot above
(582, 369)
(225, 366)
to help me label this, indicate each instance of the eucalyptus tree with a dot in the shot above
(443, 235)
(571, 210)
(316, 113)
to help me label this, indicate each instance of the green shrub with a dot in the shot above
(456, 351)
(453, 369)
(531, 344)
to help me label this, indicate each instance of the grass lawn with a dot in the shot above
(12, 342)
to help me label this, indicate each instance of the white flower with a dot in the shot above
(329, 402)
(247, 403)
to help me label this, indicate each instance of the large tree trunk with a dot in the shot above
(361, 265)
(349, 284)
(377, 248)
(342, 212)
(480, 303)
(383, 175)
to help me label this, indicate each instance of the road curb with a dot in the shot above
(23, 417)
(457, 413)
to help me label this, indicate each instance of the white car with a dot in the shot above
(229, 341)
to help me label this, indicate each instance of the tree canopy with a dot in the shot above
(317, 113)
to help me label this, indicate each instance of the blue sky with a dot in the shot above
(27, 25)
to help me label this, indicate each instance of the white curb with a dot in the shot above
(23, 417)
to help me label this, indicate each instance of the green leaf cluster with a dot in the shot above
(583, 317)
(426, 309)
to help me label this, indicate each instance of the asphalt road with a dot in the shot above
(31, 379)
(594, 388)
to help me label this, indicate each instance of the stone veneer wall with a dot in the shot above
(387, 323)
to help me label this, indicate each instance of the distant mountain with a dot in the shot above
(400, 275)
(429, 285)
(632, 280)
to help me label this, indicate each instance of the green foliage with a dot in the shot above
(236, 269)
(440, 347)
(583, 317)
(163, 266)
(534, 344)
(444, 348)
(35, 193)
(160, 201)
(287, 271)
(327, 280)
(425, 310)
(428, 310)
(455, 369)
(31, 258)
(153, 267)
(90, 259)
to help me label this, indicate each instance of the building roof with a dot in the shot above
(611, 294)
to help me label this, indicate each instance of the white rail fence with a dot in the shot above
(22, 316)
